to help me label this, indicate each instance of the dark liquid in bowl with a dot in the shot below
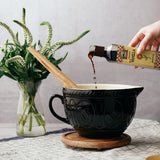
(94, 71)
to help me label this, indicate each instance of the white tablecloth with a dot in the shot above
(145, 136)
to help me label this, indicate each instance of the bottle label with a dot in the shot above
(128, 55)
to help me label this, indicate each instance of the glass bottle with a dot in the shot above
(126, 55)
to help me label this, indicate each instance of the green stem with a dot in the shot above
(47, 44)
(22, 130)
(38, 116)
(24, 106)
(9, 30)
(30, 122)
(24, 22)
(58, 45)
(30, 38)
(28, 104)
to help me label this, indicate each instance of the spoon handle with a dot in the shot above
(62, 78)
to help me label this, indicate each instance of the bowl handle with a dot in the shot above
(52, 110)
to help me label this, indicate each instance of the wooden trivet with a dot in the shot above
(154, 157)
(74, 140)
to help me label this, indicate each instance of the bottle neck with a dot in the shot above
(100, 51)
(96, 51)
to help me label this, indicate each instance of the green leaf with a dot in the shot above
(40, 45)
(62, 59)
(17, 38)
(1, 73)
(19, 64)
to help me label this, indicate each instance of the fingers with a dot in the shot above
(137, 39)
(148, 38)
(143, 44)
(149, 46)
(155, 45)
(152, 45)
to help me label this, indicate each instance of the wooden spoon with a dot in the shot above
(68, 83)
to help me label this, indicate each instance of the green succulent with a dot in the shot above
(19, 64)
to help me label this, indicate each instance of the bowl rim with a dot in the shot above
(104, 86)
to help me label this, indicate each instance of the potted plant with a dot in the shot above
(19, 65)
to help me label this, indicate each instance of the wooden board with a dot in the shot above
(154, 157)
(74, 140)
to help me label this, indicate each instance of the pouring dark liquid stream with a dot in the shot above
(94, 71)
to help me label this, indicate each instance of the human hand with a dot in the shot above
(148, 38)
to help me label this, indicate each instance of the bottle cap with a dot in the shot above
(97, 51)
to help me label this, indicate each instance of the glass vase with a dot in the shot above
(30, 115)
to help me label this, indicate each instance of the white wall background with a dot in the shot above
(110, 21)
